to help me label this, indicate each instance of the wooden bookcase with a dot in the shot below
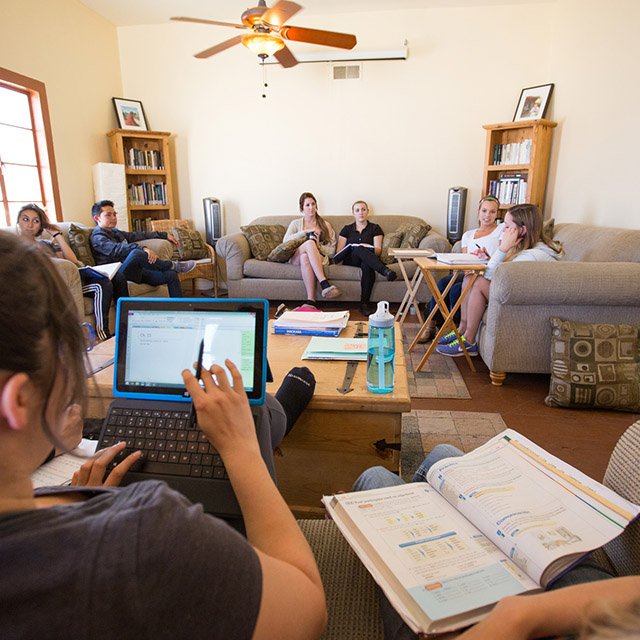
(145, 156)
(522, 157)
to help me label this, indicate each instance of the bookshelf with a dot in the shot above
(147, 172)
(516, 161)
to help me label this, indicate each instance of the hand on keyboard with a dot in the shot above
(223, 411)
(92, 472)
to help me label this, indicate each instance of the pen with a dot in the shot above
(486, 253)
(192, 411)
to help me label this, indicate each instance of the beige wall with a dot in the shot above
(75, 53)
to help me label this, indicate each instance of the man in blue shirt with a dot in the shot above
(139, 264)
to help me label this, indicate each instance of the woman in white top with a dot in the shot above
(523, 239)
(314, 253)
(481, 241)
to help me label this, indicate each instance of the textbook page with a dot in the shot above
(60, 470)
(533, 506)
(411, 540)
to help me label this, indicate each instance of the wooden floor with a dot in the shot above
(583, 438)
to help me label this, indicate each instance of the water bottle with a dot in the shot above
(380, 350)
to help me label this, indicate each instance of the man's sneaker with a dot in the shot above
(448, 337)
(184, 266)
(454, 350)
(331, 292)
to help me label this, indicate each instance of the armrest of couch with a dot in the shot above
(561, 283)
(234, 250)
(71, 276)
(433, 240)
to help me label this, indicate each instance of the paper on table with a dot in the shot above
(320, 348)
(60, 470)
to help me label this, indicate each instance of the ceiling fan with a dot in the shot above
(266, 31)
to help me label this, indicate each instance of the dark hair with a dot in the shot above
(44, 218)
(40, 332)
(325, 236)
(96, 209)
(529, 216)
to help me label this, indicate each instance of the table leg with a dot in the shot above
(410, 294)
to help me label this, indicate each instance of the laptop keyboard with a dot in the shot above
(170, 443)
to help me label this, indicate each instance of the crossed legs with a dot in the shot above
(309, 258)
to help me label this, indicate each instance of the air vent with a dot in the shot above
(347, 71)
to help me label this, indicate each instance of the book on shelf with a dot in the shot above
(512, 153)
(107, 270)
(504, 519)
(317, 323)
(343, 253)
(459, 258)
(321, 348)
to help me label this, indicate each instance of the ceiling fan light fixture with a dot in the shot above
(262, 44)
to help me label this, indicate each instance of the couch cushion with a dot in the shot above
(588, 243)
(594, 366)
(191, 246)
(285, 250)
(412, 234)
(390, 241)
(79, 243)
(263, 238)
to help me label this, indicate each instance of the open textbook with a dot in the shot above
(107, 270)
(506, 518)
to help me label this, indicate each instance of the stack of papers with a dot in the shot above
(60, 470)
(336, 349)
(311, 323)
(459, 258)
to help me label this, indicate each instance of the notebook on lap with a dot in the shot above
(156, 338)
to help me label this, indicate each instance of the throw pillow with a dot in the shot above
(412, 234)
(191, 246)
(80, 244)
(594, 366)
(263, 238)
(285, 250)
(391, 240)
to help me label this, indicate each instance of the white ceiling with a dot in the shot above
(130, 12)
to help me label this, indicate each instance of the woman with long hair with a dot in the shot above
(32, 221)
(523, 239)
(141, 560)
(314, 253)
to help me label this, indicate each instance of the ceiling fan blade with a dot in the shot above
(285, 58)
(281, 11)
(214, 22)
(207, 53)
(317, 36)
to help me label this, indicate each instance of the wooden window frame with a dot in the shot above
(43, 139)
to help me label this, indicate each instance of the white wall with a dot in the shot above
(399, 138)
(75, 53)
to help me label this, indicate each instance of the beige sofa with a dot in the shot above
(71, 276)
(247, 277)
(597, 280)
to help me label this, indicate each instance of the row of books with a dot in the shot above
(147, 193)
(512, 153)
(509, 189)
(145, 159)
(141, 224)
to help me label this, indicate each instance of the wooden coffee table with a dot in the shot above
(332, 442)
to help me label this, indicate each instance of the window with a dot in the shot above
(27, 167)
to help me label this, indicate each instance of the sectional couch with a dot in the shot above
(247, 277)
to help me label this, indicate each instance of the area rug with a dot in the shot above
(439, 377)
(423, 430)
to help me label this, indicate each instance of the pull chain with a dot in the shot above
(264, 78)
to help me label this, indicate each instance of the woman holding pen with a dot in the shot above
(482, 241)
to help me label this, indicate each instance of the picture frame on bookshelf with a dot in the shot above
(130, 114)
(533, 102)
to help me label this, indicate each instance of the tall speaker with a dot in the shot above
(213, 220)
(456, 206)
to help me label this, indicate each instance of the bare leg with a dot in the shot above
(463, 307)
(478, 298)
(308, 277)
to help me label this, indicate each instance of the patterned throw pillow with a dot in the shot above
(390, 241)
(263, 238)
(79, 242)
(285, 250)
(191, 246)
(594, 366)
(412, 234)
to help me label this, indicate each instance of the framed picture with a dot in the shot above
(533, 103)
(130, 114)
